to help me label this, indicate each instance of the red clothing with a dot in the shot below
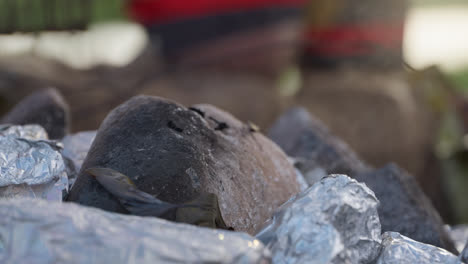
(163, 11)
(354, 40)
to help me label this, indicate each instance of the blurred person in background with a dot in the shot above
(259, 35)
(229, 53)
(366, 33)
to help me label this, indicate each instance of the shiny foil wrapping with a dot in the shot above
(403, 250)
(459, 235)
(30, 165)
(303, 185)
(464, 254)
(37, 231)
(334, 221)
(76, 147)
(30, 132)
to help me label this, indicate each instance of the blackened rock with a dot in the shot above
(317, 151)
(46, 108)
(177, 153)
(404, 208)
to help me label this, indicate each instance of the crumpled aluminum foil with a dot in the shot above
(303, 185)
(464, 254)
(36, 231)
(403, 250)
(459, 235)
(31, 132)
(76, 147)
(334, 221)
(31, 168)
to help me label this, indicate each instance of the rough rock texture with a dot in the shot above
(34, 231)
(402, 250)
(334, 221)
(404, 208)
(316, 150)
(46, 108)
(175, 153)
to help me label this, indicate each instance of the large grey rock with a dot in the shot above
(46, 108)
(402, 250)
(317, 151)
(176, 153)
(334, 221)
(404, 208)
(34, 231)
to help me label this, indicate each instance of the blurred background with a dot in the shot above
(388, 77)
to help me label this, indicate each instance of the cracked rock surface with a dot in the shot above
(175, 153)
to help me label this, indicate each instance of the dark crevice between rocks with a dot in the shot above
(198, 111)
(220, 125)
(172, 126)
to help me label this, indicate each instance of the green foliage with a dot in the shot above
(39, 15)
(108, 10)
(460, 80)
